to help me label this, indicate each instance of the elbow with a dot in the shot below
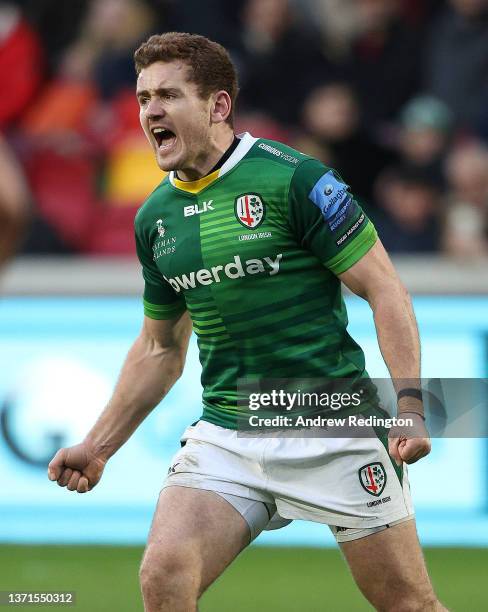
(391, 293)
(179, 366)
(173, 362)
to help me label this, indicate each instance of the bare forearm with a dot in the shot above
(147, 375)
(397, 333)
(374, 278)
(398, 337)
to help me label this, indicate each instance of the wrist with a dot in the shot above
(412, 412)
(98, 449)
(410, 392)
(409, 400)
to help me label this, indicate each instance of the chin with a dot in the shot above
(167, 165)
(164, 166)
(170, 162)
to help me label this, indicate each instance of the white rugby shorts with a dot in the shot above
(350, 484)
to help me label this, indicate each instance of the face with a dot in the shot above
(269, 16)
(375, 14)
(331, 113)
(470, 8)
(175, 119)
(467, 173)
(410, 203)
(422, 145)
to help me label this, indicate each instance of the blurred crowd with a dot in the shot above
(391, 93)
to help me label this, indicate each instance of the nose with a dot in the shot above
(154, 109)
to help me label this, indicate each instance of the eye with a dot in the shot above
(143, 100)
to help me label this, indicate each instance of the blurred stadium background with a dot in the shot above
(392, 93)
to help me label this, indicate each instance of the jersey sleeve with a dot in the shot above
(160, 300)
(326, 218)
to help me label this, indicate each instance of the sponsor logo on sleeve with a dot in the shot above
(333, 199)
(354, 228)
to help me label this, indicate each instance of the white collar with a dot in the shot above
(242, 149)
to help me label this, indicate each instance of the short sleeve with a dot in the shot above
(326, 218)
(160, 300)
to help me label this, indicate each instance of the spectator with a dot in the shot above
(385, 61)
(337, 21)
(20, 64)
(466, 228)
(456, 60)
(219, 21)
(418, 12)
(279, 62)
(425, 134)
(14, 203)
(407, 218)
(342, 69)
(57, 24)
(331, 117)
(112, 29)
(88, 162)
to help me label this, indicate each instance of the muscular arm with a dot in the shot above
(374, 278)
(153, 364)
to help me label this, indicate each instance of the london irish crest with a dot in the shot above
(373, 478)
(250, 210)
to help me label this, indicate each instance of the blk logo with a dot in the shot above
(196, 209)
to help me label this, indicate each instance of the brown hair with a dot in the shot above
(211, 68)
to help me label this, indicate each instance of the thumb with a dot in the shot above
(56, 465)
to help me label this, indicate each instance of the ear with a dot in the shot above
(221, 107)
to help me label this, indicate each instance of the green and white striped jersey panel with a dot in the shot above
(254, 256)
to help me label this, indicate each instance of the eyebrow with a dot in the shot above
(159, 91)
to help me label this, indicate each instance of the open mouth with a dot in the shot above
(164, 138)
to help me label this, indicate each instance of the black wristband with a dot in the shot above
(422, 416)
(409, 392)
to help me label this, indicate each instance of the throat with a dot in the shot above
(218, 165)
(226, 155)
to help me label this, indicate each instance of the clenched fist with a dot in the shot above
(76, 468)
(409, 444)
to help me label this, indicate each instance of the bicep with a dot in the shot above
(372, 275)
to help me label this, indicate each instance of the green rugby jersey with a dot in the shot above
(253, 252)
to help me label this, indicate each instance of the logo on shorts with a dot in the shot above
(373, 478)
(249, 209)
(172, 469)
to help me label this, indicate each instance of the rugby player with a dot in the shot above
(246, 241)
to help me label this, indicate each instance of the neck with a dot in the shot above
(208, 159)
